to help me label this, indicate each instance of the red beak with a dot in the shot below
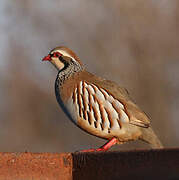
(47, 58)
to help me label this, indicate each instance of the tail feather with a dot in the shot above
(150, 137)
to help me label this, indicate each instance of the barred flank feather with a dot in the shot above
(98, 107)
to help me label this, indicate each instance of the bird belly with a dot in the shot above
(72, 111)
(87, 121)
(101, 128)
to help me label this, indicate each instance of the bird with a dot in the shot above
(98, 106)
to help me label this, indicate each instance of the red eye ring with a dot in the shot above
(56, 54)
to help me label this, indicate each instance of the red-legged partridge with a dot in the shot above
(98, 106)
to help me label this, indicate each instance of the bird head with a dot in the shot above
(62, 57)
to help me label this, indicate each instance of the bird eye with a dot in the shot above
(56, 54)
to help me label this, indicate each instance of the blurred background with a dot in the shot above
(134, 43)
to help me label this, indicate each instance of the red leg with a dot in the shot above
(105, 147)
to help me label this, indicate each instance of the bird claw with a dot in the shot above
(103, 148)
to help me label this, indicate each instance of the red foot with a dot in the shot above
(105, 147)
(93, 150)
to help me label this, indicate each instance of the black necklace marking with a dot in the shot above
(70, 68)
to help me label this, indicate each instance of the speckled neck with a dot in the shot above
(72, 68)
